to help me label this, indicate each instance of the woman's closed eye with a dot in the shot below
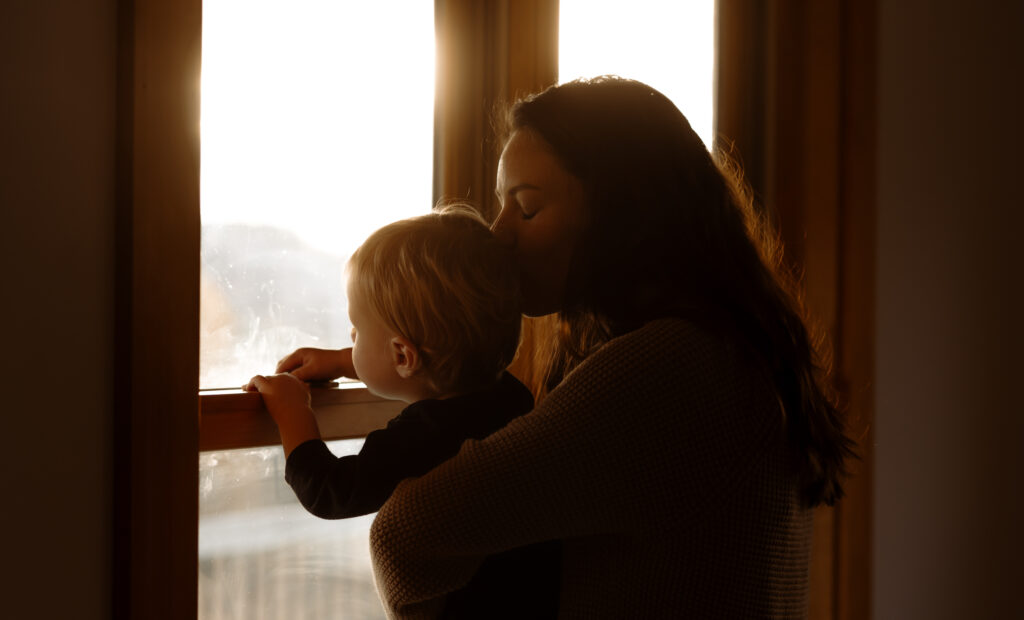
(527, 209)
(524, 197)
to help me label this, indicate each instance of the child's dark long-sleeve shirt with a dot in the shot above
(421, 437)
(525, 580)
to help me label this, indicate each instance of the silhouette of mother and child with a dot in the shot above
(685, 428)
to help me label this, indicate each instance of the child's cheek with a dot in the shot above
(357, 362)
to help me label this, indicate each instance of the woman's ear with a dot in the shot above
(405, 356)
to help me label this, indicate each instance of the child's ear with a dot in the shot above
(405, 356)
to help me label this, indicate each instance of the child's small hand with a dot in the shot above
(310, 364)
(281, 393)
(287, 399)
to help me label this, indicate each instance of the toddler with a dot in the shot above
(435, 309)
(434, 305)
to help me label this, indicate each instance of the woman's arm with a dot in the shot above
(520, 486)
(640, 439)
(572, 468)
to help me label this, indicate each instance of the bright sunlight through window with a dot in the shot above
(317, 129)
(669, 45)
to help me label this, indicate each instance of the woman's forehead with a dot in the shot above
(527, 158)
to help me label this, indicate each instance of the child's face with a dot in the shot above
(371, 347)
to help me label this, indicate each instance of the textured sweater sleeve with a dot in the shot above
(599, 457)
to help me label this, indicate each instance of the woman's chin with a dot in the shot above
(538, 304)
(537, 315)
(535, 310)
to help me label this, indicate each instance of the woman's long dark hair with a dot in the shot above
(672, 232)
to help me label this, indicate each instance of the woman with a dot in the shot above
(688, 431)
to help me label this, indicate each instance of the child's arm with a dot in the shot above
(286, 397)
(309, 364)
(338, 487)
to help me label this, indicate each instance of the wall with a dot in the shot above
(57, 128)
(949, 425)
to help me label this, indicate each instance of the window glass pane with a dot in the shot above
(669, 45)
(261, 555)
(317, 128)
(317, 121)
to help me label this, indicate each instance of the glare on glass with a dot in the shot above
(261, 555)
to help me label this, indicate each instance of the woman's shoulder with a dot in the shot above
(677, 343)
(669, 327)
(672, 363)
(670, 331)
(681, 396)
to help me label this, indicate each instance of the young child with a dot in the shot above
(435, 311)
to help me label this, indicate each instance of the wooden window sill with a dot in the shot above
(235, 419)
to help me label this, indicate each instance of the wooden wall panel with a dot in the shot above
(855, 352)
(157, 307)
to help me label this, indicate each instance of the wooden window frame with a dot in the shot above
(157, 310)
(158, 238)
(233, 419)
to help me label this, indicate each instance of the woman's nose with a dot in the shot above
(502, 229)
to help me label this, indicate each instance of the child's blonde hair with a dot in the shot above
(444, 282)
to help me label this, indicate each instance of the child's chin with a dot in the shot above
(386, 394)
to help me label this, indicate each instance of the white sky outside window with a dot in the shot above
(317, 129)
(668, 45)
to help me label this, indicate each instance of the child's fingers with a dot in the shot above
(255, 383)
(291, 361)
(294, 380)
(302, 373)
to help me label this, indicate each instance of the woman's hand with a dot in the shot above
(286, 397)
(309, 364)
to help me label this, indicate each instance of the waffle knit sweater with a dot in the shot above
(661, 464)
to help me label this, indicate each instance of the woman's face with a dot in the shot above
(541, 218)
